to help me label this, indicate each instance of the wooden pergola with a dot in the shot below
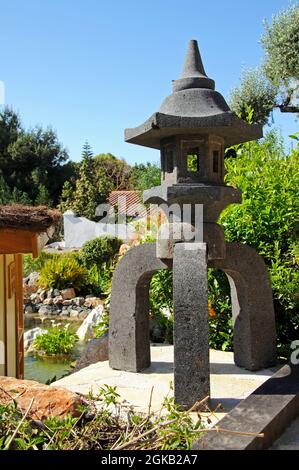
(23, 229)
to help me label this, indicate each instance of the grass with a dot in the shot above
(104, 424)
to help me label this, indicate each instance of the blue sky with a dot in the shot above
(90, 68)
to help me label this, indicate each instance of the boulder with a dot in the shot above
(59, 300)
(96, 350)
(31, 335)
(92, 302)
(42, 295)
(85, 331)
(48, 301)
(68, 294)
(30, 309)
(79, 301)
(74, 313)
(32, 279)
(39, 401)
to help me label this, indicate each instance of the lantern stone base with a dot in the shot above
(252, 310)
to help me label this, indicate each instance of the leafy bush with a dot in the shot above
(99, 251)
(56, 341)
(268, 220)
(99, 257)
(220, 319)
(63, 272)
(36, 264)
(160, 298)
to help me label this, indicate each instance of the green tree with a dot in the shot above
(275, 83)
(85, 198)
(32, 160)
(254, 92)
(5, 192)
(281, 64)
(113, 174)
(145, 176)
(43, 196)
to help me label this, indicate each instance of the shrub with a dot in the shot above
(267, 220)
(36, 264)
(56, 341)
(63, 272)
(99, 251)
(99, 257)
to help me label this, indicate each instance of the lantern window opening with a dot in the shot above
(193, 160)
(215, 161)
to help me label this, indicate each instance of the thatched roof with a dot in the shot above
(33, 219)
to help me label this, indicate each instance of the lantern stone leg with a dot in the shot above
(191, 328)
(129, 344)
(252, 307)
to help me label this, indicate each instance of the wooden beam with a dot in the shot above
(13, 241)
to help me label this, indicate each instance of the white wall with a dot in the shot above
(78, 230)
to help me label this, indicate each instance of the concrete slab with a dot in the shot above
(262, 418)
(229, 384)
(289, 440)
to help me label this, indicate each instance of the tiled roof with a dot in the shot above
(127, 202)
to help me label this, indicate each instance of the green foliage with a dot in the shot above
(109, 394)
(275, 84)
(267, 220)
(99, 257)
(98, 176)
(220, 316)
(281, 46)
(102, 327)
(145, 176)
(36, 264)
(57, 341)
(160, 298)
(99, 251)
(63, 272)
(32, 163)
(99, 429)
(256, 92)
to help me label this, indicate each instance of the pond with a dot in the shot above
(46, 370)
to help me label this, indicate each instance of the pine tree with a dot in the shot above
(43, 197)
(85, 198)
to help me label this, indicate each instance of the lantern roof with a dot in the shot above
(194, 107)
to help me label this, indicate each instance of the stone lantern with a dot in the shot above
(192, 128)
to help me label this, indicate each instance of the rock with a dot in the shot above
(39, 401)
(31, 335)
(65, 312)
(85, 331)
(45, 310)
(42, 295)
(32, 279)
(79, 301)
(50, 293)
(48, 301)
(68, 294)
(30, 309)
(74, 313)
(67, 302)
(59, 300)
(92, 302)
(56, 292)
(96, 350)
(33, 297)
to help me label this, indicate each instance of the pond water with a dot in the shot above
(43, 370)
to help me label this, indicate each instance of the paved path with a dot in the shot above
(229, 383)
